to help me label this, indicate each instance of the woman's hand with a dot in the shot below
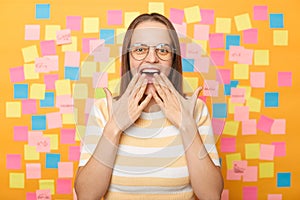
(176, 108)
(127, 109)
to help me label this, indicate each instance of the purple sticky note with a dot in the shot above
(279, 126)
(250, 174)
(218, 57)
(100, 80)
(260, 12)
(32, 32)
(31, 196)
(176, 15)
(267, 152)
(265, 123)
(250, 193)
(74, 153)
(223, 76)
(216, 40)
(65, 170)
(72, 59)
(249, 127)
(285, 79)
(241, 113)
(74, 23)
(13, 161)
(20, 133)
(257, 79)
(64, 186)
(63, 37)
(33, 170)
(48, 47)
(250, 36)
(29, 106)
(114, 17)
(17, 74)
(228, 144)
(86, 44)
(218, 126)
(280, 149)
(201, 32)
(207, 16)
(67, 136)
(54, 120)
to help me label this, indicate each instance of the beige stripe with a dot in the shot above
(154, 123)
(151, 142)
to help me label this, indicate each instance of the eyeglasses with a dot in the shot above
(140, 51)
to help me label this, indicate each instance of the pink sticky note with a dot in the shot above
(274, 196)
(201, 32)
(100, 79)
(223, 76)
(249, 127)
(176, 15)
(284, 78)
(257, 79)
(65, 170)
(228, 144)
(101, 54)
(48, 47)
(246, 57)
(30, 196)
(280, 149)
(72, 58)
(249, 193)
(265, 123)
(86, 44)
(34, 137)
(67, 136)
(88, 105)
(193, 51)
(64, 186)
(235, 52)
(183, 49)
(211, 88)
(43, 194)
(74, 23)
(54, 120)
(250, 36)
(218, 126)
(49, 80)
(74, 153)
(43, 144)
(29, 106)
(260, 12)
(201, 64)
(239, 166)
(237, 95)
(216, 40)
(225, 195)
(63, 37)
(13, 161)
(250, 174)
(231, 175)
(33, 170)
(181, 29)
(96, 45)
(114, 17)
(218, 57)
(267, 152)
(20, 133)
(46, 64)
(32, 32)
(279, 126)
(17, 74)
(207, 16)
(241, 113)
(65, 103)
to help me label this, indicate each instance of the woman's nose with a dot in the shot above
(152, 57)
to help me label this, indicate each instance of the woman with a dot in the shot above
(151, 142)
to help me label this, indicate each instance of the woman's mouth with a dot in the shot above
(149, 73)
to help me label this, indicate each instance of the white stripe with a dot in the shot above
(93, 130)
(152, 132)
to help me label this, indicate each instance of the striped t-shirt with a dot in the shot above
(150, 162)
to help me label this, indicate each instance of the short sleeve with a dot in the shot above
(205, 130)
(94, 128)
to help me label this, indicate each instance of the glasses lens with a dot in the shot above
(139, 52)
(164, 52)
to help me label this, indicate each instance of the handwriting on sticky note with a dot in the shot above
(43, 194)
(46, 64)
(63, 37)
(211, 88)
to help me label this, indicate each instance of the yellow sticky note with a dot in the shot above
(241, 71)
(231, 106)
(266, 170)
(16, 180)
(90, 24)
(109, 67)
(254, 104)
(280, 37)
(47, 184)
(80, 91)
(88, 68)
(242, 22)
(50, 31)
(63, 87)
(261, 57)
(37, 91)
(129, 17)
(223, 25)
(120, 34)
(69, 118)
(156, 7)
(252, 151)
(30, 153)
(231, 128)
(30, 53)
(192, 14)
(70, 47)
(13, 109)
(190, 84)
(29, 72)
(203, 44)
(114, 86)
(53, 141)
(80, 131)
(230, 158)
(248, 90)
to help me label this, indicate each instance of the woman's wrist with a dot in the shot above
(112, 131)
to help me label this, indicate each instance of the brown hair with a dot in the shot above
(175, 75)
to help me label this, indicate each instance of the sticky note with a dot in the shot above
(278, 126)
(261, 57)
(189, 84)
(257, 79)
(192, 14)
(230, 157)
(181, 29)
(16, 180)
(225, 194)
(254, 104)
(70, 47)
(223, 76)
(64, 186)
(47, 184)
(52, 160)
(46, 64)
(13, 109)
(86, 44)
(250, 193)
(20, 91)
(49, 80)
(176, 15)
(114, 17)
(42, 11)
(201, 32)
(241, 71)
(276, 20)
(231, 106)
(252, 151)
(96, 45)
(50, 31)
(29, 106)
(63, 87)
(202, 44)
(32, 32)
(48, 101)
(63, 37)
(80, 132)
(13, 161)
(280, 149)
(100, 79)
(43, 194)
(30, 53)
(231, 128)
(72, 58)
(266, 170)
(232, 40)
(99, 93)
(90, 24)
(274, 196)
(37, 91)
(67, 136)
(30, 196)
(231, 175)
(228, 144)
(156, 7)
(216, 40)
(120, 34)
(218, 57)
(30, 153)
(29, 72)
(53, 141)
(74, 23)
(20, 133)
(38, 122)
(267, 152)
(71, 73)
(218, 125)
(74, 153)
(249, 127)
(65, 103)
(114, 85)
(54, 120)
(48, 47)
(250, 174)
(33, 170)
(43, 144)
(187, 65)
(284, 79)
(211, 88)
(250, 36)
(237, 95)
(129, 17)
(223, 25)
(69, 118)
(240, 166)
(109, 67)
(80, 91)
(280, 37)
(271, 99)
(241, 113)
(242, 22)
(260, 12)
(207, 16)
(108, 35)
(283, 179)
(17, 74)
(265, 123)
(65, 170)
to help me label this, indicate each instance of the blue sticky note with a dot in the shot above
(108, 35)
(219, 110)
(52, 160)
(271, 99)
(234, 83)
(48, 101)
(187, 65)
(42, 11)
(276, 20)
(20, 91)
(38, 122)
(227, 89)
(72, 73)
(283, 179)
(232, 40)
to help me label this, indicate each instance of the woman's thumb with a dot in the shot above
(108, 99)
